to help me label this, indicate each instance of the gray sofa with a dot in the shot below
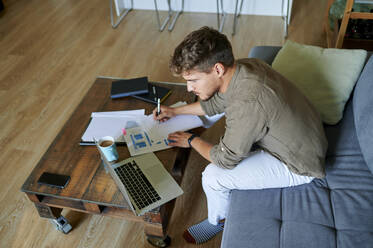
(336, 211)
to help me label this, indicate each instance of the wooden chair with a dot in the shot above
(335, 39)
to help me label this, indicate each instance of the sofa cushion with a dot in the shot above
(304, 216)
(321, 75)
(363, 112)
(348, 239)
(250, 222)
(342, 139)
(351, 193)
(289, 217)
(265, 53)
(302, 234)
(352, 210)
(348, 172)
(307, 203)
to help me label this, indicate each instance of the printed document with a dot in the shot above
(151, 136)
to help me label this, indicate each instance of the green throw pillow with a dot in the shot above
(326, 76)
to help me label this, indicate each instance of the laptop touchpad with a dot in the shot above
(154, 174)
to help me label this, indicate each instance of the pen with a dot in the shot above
(158, 106)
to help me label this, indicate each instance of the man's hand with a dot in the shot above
(166, 113)
(179, 139)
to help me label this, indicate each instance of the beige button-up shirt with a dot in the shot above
(264, 108)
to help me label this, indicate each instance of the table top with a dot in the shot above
(89, 181)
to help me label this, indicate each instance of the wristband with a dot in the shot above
(191, 138)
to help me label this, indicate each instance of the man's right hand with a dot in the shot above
(166, 113)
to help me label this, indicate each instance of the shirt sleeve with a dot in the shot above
(243, 128)
(214, 105)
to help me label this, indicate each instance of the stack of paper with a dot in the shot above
(143, 133)
(110, 124)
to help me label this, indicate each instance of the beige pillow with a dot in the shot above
(325, 76)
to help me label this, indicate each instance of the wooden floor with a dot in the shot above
(50, 53)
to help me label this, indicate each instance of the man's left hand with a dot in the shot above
(179, 139)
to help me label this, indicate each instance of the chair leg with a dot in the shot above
(345, 19)
(285, 16)
(176, 16)
(329, 36)
(221, 19)
(122, 15)
(163, 25)
(237, 14)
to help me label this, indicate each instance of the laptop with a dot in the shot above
(144, 182)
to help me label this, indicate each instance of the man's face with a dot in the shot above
(202, 84)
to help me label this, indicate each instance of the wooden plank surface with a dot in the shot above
(89, 181)
(361, 15)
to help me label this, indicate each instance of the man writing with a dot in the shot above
(273, 137)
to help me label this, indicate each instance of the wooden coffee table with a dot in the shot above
(91, 189)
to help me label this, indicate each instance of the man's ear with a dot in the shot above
(219, 69)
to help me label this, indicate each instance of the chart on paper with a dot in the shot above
(151, 136)
(140, 141)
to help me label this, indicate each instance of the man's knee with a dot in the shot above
(211, 176)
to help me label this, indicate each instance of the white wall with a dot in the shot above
(250, 7)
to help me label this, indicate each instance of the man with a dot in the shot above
(273, 137)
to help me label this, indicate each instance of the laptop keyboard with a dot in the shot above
(137, 185)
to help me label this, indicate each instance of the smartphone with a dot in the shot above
(54, 180)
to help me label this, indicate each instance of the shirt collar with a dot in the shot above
(232, 83)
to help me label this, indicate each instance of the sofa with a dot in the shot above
(336, 211)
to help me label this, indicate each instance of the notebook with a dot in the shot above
(129, 87)
(154, 91)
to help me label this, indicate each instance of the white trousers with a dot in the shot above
(259, 171)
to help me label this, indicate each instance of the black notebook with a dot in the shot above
(160, 92)
(129, 87)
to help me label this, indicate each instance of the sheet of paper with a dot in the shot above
(152, 136)
(177, 123)
(110, 126)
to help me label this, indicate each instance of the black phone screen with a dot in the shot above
(54, 180)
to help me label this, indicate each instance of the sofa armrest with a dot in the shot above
(362, 109)
(265, 53)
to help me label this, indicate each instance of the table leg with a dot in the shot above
(182, 159)
(48, 212)
(51, 213)
(180, 165)
(159, 242)
(155, 224)
(155, 229)
(54, 215)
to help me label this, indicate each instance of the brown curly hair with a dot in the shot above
(201, 50)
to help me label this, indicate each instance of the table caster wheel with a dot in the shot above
(61, 224)
(158, 241)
